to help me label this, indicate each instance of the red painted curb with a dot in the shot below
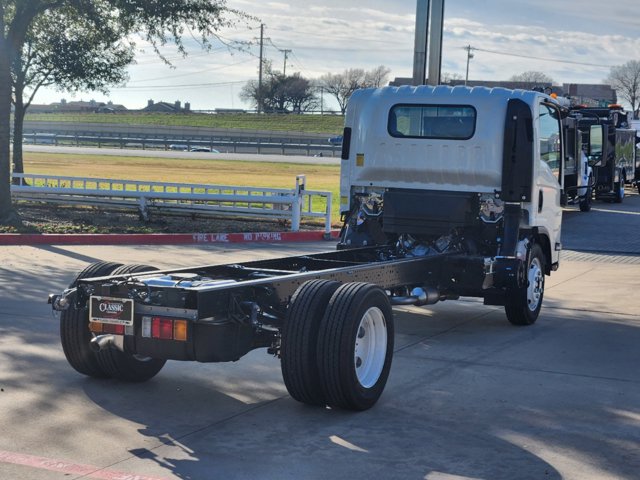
(161, 238)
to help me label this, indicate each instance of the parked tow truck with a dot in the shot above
(613, 159)
(445, 192)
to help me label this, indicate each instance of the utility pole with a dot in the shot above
(468, 48)
(286, 52)
(260, 69)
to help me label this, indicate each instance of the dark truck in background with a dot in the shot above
(610, 143)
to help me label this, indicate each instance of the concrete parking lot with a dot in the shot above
(469, 395)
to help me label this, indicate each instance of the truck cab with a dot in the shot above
(475, 170)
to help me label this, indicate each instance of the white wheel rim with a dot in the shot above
(370, 347)
(535, 285)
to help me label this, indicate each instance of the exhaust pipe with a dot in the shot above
(102, 342)
(419, 296)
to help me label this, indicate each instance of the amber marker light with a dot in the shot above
(95, 327)
(180, 330)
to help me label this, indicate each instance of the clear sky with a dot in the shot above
(572, 40)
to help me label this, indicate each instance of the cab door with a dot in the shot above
(549, 176)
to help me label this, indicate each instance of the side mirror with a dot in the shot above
(596, 145)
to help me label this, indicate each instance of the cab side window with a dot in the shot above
(549, 134)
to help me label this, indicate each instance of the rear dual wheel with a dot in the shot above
(353, 335)
(123, 365)
(75, 336)
(74, 327)
(300, 339)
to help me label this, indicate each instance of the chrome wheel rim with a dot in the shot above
(370, 347)
(535, 286)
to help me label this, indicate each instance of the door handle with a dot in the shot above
(540, 201)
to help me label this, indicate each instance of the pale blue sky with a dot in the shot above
(332, 35)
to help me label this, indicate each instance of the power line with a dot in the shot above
(193, 73)
(545, 59)
(190, 85)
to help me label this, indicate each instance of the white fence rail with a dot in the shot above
(179, 198)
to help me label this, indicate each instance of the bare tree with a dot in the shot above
(532, 76)
(448, 77)
(342, 85)
(280, 93)
(377, 77)
(625, 79)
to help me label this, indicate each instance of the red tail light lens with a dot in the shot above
(162, 328)
(113, 329)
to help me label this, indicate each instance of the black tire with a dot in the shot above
(619, 186)
(523, 305)
(122, 365)
(74, 327)
(299, 361)
(585, 204)
(342, 333)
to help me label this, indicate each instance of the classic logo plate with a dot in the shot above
(117, 311)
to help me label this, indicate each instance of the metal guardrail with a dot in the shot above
(227, 144)
(179, 198)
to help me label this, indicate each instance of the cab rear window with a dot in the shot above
(452, 122)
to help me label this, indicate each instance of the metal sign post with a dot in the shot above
(429, 29)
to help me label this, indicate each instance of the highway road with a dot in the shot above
(252, 157)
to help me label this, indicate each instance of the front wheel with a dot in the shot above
(585, 203)
(523, 304)
(355, 346)
(619, 188)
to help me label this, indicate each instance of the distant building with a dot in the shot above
(78, 107)
(596, 95)
(166, 107)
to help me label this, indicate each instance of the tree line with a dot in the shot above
(280, 93)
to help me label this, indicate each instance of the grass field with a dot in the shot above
(219, 172)
(326, 124)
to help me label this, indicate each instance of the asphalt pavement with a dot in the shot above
(469, 395)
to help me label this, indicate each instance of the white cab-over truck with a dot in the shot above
(444, 193)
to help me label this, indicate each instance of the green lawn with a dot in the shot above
(326, 124)
(217, 172)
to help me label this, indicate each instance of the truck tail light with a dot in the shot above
(180, 330)
(164, 328)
